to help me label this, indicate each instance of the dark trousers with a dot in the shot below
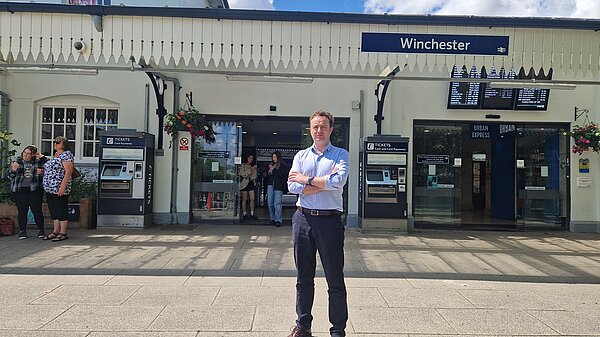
(26, 199)
(324, 234)
(59, 206)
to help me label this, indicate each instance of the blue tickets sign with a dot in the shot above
(434, 44)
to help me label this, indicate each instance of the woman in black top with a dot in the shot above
(26, 174)
(277, 183)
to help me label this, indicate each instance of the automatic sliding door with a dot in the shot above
(542, 154)
(437, 176)
(215, 174)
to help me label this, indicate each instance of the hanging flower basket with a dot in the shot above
(189, 120)
(586, 137)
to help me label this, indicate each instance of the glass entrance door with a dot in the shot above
(215, 176)
(542, 167)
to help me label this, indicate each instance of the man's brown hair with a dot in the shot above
(324, 114)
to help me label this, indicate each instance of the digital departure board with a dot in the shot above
(531, 98)
(479, 95)
(498, 99)
(464, 95)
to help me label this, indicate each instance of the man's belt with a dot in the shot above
(319, 212)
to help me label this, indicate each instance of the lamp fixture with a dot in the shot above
(285, 79)
(55, 71)
(531, 85)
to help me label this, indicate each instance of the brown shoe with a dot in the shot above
(299, 331)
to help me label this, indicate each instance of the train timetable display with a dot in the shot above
(498, 98)
(464, 95)
(532, 99)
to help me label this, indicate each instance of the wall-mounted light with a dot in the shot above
(532, 85)
(54, 71)
(285, 79)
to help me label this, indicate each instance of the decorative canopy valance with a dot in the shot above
(261, 45)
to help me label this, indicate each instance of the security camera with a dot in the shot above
(79, 46)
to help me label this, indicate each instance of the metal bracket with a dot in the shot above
(580, 112)
(381, 96)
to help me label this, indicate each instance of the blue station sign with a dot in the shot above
(434, 44)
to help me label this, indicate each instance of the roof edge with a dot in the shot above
(271, 15)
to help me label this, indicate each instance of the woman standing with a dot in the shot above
(57, 184)
(248, 185)
(26, 174)
(277, 182)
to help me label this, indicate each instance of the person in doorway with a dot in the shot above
(276, 184)
(57, 184)
(249, 174)
(26, 174)
(318, 176)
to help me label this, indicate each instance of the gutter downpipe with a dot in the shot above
(174, 156)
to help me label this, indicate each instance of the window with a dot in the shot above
(78, 124)
(58, 121)
(96, 120)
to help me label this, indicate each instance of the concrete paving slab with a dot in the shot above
(142, 334)
(205, 318)
(398, 321)
(425, 298)
(228, 253)
(86, 294)
(451, 284)
(150, 280)
(38, 333)
(570, 322)
(52, 281)
(193, 264)
(28, 317)
(509, 299)
(251, 296)
(17, 294)
(283, 318)
(105, 318)
(495, 321)
(247, 263)
(163, 295)
(375, 282)
(241, 280)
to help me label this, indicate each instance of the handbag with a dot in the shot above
(7, 226)
(75, 174)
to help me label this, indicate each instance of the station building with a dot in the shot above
(487, 103)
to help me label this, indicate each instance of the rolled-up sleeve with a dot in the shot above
(338, 179)
(295, 187)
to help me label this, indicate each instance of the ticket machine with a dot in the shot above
(383, 182)
(125, 175)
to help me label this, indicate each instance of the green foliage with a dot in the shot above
(8, 150)
(83, 186)
(586, 137)
(189, 120)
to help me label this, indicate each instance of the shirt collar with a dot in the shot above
(326, 149)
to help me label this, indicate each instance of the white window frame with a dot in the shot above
(80, 104)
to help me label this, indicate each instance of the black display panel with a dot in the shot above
(531, 98)
(498, 99)
(464, 95)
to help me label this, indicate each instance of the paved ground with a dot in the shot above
(235, 281)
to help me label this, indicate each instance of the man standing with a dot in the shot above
(318, 176)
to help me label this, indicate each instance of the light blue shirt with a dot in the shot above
(313, 164)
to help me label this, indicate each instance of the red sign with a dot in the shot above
(184, 143)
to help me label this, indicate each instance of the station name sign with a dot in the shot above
(387, 146)
(434, 44)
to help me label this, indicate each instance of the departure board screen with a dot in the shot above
(498, 98)
(532, 98)
(464, 95)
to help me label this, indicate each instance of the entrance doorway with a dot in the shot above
(490, 175)
(215, 195)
